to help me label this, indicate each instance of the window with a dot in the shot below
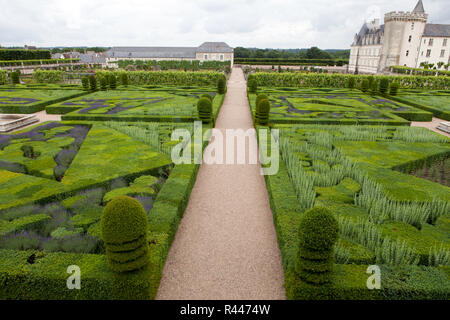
(221, 57)
(442, 53)
(206, 57)
(409, 39)
(407, 52)
(412, 26)
(430, 42)
(421, 54)
(444, 42)
(428, 53)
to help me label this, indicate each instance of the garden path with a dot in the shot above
(431, 125)
(226, 245)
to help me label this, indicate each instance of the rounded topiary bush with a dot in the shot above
(318, 232)
(208, 96)
(204, 108)
(103, 83)
(112, 82)
(15, 77)
(262, 112)
(124, 79)
(124, 232)
(252, 86)
(85, 83)
(374, 88)
(260, 97)
(351, 82)
(93, 82)
(221, 85)
(393, 88)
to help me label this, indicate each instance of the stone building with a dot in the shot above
(208, 51)
(405, 39)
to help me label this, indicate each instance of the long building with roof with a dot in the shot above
(208, 51)
(405, 39)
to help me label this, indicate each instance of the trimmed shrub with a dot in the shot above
(85, 83)
(124, 79)
(260, 97)
(15, 77)
(318, 233)
(252, 86)
(124, 231)
(351, 83)
(221, 86)
(262, 112)
(384, 86)
(208, 96)
(93, 82)
(103, 83)
(374, 88)
(393, 88)
(365, 85)
(204, 108)
(112, 81)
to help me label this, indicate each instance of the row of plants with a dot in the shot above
(341, 80)
(186, 65)
(15, 63)
(22, 54)
(3, 77)
(420, 71)
(291, 62)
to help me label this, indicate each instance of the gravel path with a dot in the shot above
(42, 116)
(431, 125)
(226, 246)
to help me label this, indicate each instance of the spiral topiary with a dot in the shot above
(262, 112)
(221, 86)
(204, 108)
(124, 232)
(318, 233)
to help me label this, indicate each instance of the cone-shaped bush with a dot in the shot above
(103, 83)
(262, 112)
(318, 233)
(112, 82)
(15, 77)
(365, 85)
(124, 79)
(252, 86)
(93, 82)
(85, 83)
(204, 108)
(374, 88)
(393, 88)
(221, 86)
(124, 232)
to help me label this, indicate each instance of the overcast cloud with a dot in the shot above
(248, 23)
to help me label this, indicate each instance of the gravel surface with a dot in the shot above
(226, 246)
(42, 117)
(431, 125)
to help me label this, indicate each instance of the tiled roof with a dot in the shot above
(437, 30)
(213, 47)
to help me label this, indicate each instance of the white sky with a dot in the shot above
(328, 24)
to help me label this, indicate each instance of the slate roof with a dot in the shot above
(437, 30)
(93, 58)
(365, 30)
(167, 52)
(419, 7)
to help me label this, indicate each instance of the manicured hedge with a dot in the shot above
(48, 76)
(15, 63)
(176, 64)
(441, 114)
(291, 62)
(21, 54)
(273, 79)
(3, 77)
(419, 71)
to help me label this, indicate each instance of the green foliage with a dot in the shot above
(3, 77)
(21, 54)
(221, 85)
(93, 82)
(365, 85)
(374, 88)
(262, 112)
(85, 83)
(48, 76)
(15, 77)
(112, 81)
(124, 79)
(252, 86)
(207, 96)
(103, 83)
(351, 83)
(393, 88)
(384, 86)
(318, 232)
(124, 222)
(204, 108)
(261, 96)
(186, 65)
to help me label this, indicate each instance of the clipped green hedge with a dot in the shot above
(48, 76)
(291, 62)
(286, 79)
(15, 63)
(3, 77)
(22, 54)
(419, 71)
(441, 114)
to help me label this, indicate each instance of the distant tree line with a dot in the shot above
(78, 49)
(311, 53)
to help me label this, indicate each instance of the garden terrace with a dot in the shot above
(389, 218)
(336, 106)
(437, 102)
(162, 104)
(46, 225)
(27, 99)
